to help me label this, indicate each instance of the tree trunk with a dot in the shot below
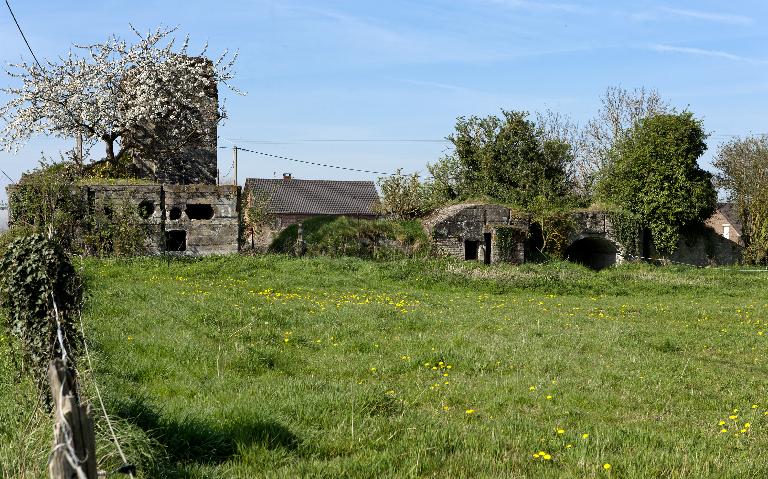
(110, 148)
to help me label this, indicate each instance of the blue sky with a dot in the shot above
(402, 70)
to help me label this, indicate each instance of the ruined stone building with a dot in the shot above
(185, 212)
(491, 233)
(289, 201)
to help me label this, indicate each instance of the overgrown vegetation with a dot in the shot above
(343, 236)
(654, 174)
(251, 366)
(506, 158)
(51, 200)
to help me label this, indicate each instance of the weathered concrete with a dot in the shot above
(466, 231)
(208, 215)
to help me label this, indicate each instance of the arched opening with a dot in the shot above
(593, 252)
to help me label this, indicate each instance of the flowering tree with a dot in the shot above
(111, 91)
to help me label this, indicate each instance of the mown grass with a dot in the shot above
(278, 367)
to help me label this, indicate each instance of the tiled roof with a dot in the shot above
(315, 197)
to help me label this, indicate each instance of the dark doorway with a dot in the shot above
(593, 252)
(176, 240)
(487, 256)
(470, 250)
(199, 211)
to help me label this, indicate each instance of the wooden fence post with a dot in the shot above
(73, 430)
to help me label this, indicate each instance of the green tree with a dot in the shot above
(743, 163)
(505, 158)
(403, 196)
(654, 173)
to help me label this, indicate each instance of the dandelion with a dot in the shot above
(723, 430)
(470, 411)
(561, 431)
(549, 397)
(532, 388)
(721, 423)
(568, 446)
(585, 436)
(607, 466)
(733, 417)
(747, 425)
(547, 457)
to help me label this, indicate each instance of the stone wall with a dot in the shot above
(183, 219)
(703, 246)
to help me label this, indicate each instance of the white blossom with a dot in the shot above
(109, 90)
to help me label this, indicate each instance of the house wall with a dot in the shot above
(717, 222)
(706, 247)
(452, 227)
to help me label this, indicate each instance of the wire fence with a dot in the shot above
(65, 440)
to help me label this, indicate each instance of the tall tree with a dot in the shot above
(505, 158)
(108, 90)
(620, 109)
(743, 165)
(654, 173)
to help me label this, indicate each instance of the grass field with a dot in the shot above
(277, 367)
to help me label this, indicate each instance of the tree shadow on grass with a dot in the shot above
(205, 440)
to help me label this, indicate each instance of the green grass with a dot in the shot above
(278, 367)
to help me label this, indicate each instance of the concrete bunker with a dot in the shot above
(594, 252)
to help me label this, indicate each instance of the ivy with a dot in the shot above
(35, 273)
(507, 240)
(626, 230)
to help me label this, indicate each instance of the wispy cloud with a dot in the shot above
(710, 16)
(542, 6)
(707, 53)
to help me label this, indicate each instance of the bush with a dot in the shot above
(51, 200)
(342, 236)
(47, 200)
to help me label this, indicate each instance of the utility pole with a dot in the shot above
(234, 157)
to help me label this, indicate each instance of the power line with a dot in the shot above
(6, 175)
(22, 34)
(315, 163)
(339, 140)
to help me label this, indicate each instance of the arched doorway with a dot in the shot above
(594, 252)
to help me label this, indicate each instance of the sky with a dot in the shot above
(378, 85)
